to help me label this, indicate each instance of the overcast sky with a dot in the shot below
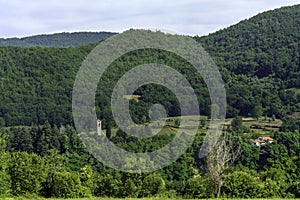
(192, 17)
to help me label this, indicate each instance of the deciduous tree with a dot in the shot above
(221, 156)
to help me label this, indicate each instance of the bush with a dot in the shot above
(241, 185)
(197, 188)
(67, 185)
(28, 172)
(106, 186)
(152, 185)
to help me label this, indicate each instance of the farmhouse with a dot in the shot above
(261, 141)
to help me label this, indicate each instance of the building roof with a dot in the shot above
(266, 138)
(262, 140)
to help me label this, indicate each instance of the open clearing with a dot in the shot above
(263, 126)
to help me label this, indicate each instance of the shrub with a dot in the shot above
(152, 185)
(66, 185)
(241, 185)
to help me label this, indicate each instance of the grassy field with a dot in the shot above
(263, 126)
(97, 198)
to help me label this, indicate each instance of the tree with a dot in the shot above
(45, 140)
(236, 123)
(2, 122)
(130, 188)
(276, 181)
(197, 187)
(177, 122)
(221, 156)
(5, 181)
(54, 162)
(242, 185)
(289, 124)
(27, 172)
(203, 122)
(152, 185)
(281, 176)
(66, 185)
(257, 111)
(249, 155)
(20, 140)
(108, 130)
(107, 185)
(86, 175)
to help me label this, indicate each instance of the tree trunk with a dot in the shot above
(219, 190)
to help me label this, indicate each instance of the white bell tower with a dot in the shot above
(99, 127)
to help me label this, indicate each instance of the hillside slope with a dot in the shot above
(258, 58)
(57, 40)
(265, 45)
(260, 61)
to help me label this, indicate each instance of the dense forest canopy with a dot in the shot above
(42, 154)
(258, 59)
(266, 45)
(57, 40)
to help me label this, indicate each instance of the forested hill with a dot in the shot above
(265, 45)
(41, 154)
(258, 55)
(57, 40)
(259, 59)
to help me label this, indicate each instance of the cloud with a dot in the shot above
(194, 17)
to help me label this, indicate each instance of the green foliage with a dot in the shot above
(236, 124)
(249, 155)
(130, 188)
(5, 181)
(66, 185)
(108, 130)
(198, 187)
(257, 111)
(291, 140)
(260, 46)
(86, 179)
(257, 58)
(259, 61)
(242, 185)
(177, 122)
(280, 177)
(68, 175)
(290, 124)
(40, 81)
(295, 189)
(152, 185)
(107, 185)
(57, 40)
(20, 139)
(47, 139)
(27, 172)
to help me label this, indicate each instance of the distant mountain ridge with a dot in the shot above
(57, 40)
